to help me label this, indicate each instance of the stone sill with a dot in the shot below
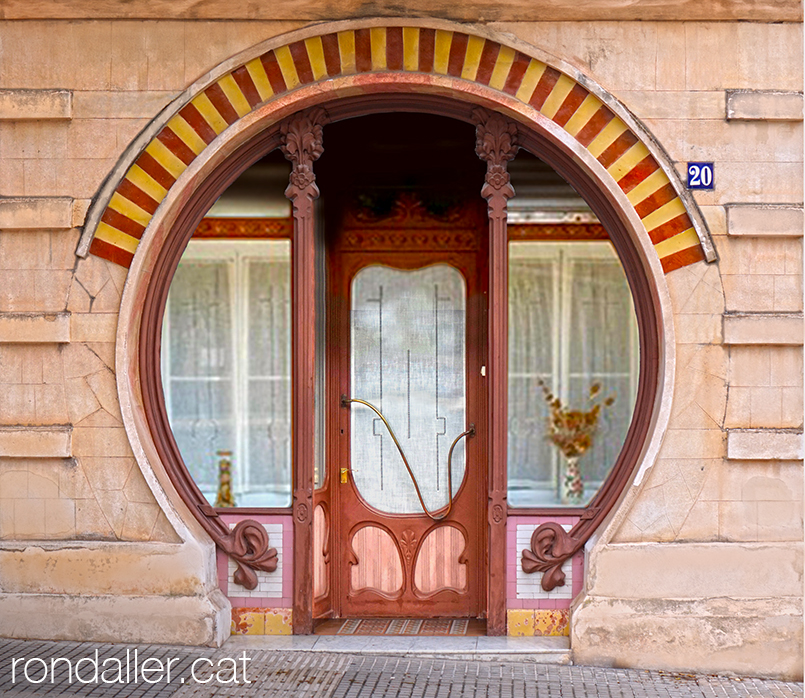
(35, 441)
(770, 329)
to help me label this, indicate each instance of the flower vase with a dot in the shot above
(572, 485)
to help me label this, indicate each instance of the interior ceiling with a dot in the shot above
(403, 151)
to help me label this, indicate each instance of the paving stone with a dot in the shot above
(309, 674)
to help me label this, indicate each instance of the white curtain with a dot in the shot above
(571, 324)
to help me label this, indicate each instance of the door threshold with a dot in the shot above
(408, 627)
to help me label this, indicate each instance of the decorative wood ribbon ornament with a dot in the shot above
(247, 545)
(551, 547)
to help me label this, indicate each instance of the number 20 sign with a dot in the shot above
(701, 175)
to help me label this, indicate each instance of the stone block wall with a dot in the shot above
(710, 534)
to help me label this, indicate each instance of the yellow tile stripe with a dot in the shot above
(530, 79)
(587, 109)
(683, 241)
(411, 49)
(287, 66)
(315, 52)
(115, 237)
(377, 43)
(209, 112)
(129, 209)
(472, 57)
(234, 95)
(503, 65)
(346, 47)
(166, 158)
(140, 178)
(605, 139)
(558, 94)
(441, 51)
(626, 162)
(665, 213)
(260, 79)
(656, 180)
(188, 135)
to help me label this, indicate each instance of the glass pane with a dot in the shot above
(408, 359)
(571, 325)
(226, 367)
(269, 385)
(532, 316)
(199, 384)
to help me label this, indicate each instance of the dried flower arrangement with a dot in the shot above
(572, 431)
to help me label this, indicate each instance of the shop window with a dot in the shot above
(226, 367)
(571, 326)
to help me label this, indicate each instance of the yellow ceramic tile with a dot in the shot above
(520, 623)
(248, 621)
(552, 623)
(279, 621)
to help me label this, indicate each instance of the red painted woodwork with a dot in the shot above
(496, 145)
(378, 579)
(302, 144)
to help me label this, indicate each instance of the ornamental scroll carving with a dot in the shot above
(247, 545)
(496, 144)
(551, 547)
(302, 144)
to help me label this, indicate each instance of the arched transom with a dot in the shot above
(551, 92)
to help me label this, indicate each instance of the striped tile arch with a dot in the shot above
(410, 49)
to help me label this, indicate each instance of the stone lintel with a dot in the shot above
(34, 328)
(764, 444)
(764, 328)
(36, 213)
(763, 105)
(764, 220)
(36, 105)
(35, 442)
(505, 10)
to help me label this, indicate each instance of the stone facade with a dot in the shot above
(700, 565)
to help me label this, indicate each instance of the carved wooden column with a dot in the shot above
(496, 144)
(302, 145)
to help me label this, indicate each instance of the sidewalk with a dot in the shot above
(243, 668)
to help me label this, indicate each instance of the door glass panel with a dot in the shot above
(408, 359)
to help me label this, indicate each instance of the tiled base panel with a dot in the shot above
(532, 611)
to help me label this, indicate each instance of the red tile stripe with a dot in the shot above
(668, 230)
(197, 122)
(247, 86)
(272, 68)
(137, 196)
(683, 258)
(176, 145)
(155, 170)
(395, 62)
(123, 223)
(516, 73)
(104, 250)
(572, 102)
(659, 198)
(302, 62)
(221, 103)
(332, 54)
(638, 173)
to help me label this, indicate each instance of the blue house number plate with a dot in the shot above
(701, 175)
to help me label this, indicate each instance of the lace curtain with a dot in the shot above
(571, 324)
(226, 366)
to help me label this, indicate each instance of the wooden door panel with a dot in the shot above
(400, 562)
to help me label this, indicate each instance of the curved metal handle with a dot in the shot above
(345, 402)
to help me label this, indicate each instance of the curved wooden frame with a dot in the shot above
(551, 546)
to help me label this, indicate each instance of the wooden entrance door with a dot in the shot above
(407, 337)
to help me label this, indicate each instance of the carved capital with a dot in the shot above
(247, 544)
(551, 547)
(302, 144)
(495, 144)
